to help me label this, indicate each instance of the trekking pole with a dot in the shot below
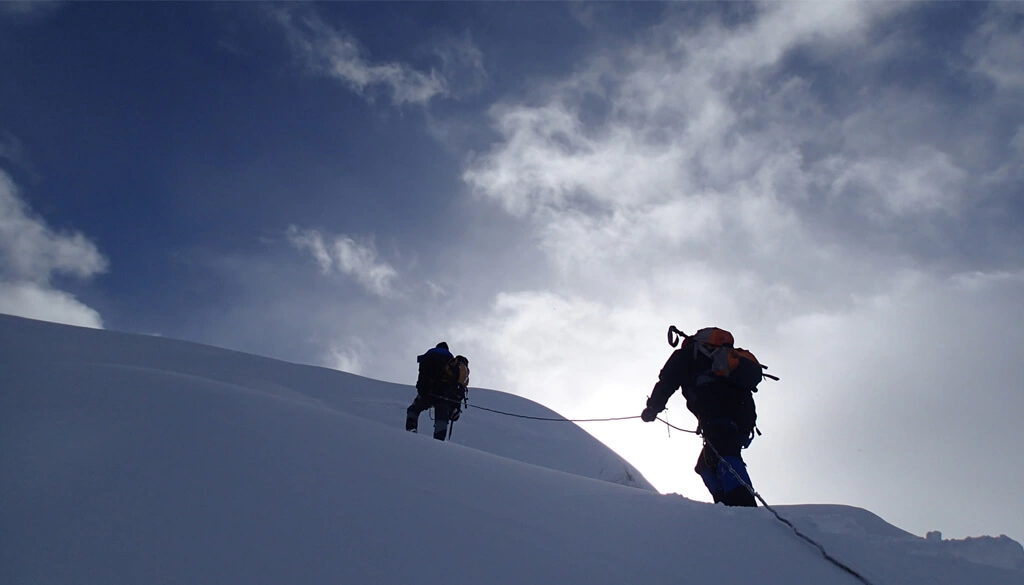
(451, 425)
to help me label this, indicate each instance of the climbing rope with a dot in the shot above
(550, 419)
(736, 474)
(671, 426)
(796, 530)
(553, 419)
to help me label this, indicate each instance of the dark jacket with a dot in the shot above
(708, 400)
(432, 363)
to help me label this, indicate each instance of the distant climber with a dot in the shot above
(441, 385)
(718, 382)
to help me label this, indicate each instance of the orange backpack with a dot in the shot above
(733, 364)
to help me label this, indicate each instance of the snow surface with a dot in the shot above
(131, 459)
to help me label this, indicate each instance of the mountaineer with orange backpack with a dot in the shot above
(718, 381)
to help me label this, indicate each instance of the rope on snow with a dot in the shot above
(820, 548)
(736, 474)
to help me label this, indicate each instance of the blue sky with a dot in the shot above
(548, 186)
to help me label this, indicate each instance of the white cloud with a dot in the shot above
(346, 358)
(462, 65)
(926, 180)
(312, 241)
(916, 386)
(330, 52)
(31, 254)
(30, 250)
(703, 150)
(530, 337)
(347, 256)
(778, 27)
(26, 299)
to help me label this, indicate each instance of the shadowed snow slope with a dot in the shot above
(133, 459)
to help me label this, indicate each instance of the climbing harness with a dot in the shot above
(464, 402)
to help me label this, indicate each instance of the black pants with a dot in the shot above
(443, 410)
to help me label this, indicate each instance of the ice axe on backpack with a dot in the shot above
(674, 334)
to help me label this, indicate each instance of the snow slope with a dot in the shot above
(133, 459)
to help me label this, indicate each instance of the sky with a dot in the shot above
(130, 457)
(547, 187)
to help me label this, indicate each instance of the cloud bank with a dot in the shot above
(704, 153)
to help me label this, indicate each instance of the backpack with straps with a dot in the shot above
(456, 373)
(456, 378)
(730, 364)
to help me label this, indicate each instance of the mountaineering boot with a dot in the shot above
(441, 422)
(739, 497)
(411, 424)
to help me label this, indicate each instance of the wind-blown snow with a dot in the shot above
(133, 459)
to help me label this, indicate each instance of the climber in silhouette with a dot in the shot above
(441, 385)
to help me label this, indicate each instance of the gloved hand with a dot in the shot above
(649, 414)
(455, 414)
(750, 437)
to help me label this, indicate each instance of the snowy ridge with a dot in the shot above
(26, 341)
(131, 459)
(1001, 551)
(844, 521)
